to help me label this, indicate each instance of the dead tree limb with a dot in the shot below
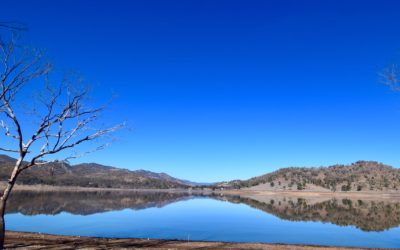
(64, 121)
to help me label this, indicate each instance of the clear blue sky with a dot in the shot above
(219, 90)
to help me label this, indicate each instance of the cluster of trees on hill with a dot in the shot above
(89, 175)
(359, 176)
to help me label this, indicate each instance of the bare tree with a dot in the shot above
(62, 121)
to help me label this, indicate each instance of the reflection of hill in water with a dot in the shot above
(366, 215)
(85, 203)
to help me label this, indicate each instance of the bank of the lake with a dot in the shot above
(244, 192)
(22, 240)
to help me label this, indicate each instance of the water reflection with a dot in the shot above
(86, 203)
(367, 215)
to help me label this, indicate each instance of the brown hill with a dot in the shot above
(359, 176)
(89, 175)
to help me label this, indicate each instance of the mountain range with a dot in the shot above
(90, 175)
(358, 176)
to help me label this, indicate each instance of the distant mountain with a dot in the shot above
(90, 175)
(5, 159)
(359, 176)
(163, 176)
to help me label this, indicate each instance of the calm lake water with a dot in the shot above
(338, 222)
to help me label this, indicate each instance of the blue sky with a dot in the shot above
(219, 90)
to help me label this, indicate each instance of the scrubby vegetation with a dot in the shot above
(359, 176)
(89, 175)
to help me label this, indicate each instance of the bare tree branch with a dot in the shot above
(9, 150)
(64, 121)
(7, 130)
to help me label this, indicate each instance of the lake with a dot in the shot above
(337, 222)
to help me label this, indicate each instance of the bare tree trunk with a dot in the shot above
(2, 223)
(63, 124)
(4, 198)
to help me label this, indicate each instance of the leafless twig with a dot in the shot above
(64, 120)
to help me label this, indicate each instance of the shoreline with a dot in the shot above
(315, 194)
(26, 240)
(243, 192)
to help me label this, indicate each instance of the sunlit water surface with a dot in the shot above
(192, 218)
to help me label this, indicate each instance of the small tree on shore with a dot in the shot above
(60, 121)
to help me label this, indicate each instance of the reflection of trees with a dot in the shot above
(85, 203)
(366, 215)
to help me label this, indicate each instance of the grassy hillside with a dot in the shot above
(359, 176)
(89, 175)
